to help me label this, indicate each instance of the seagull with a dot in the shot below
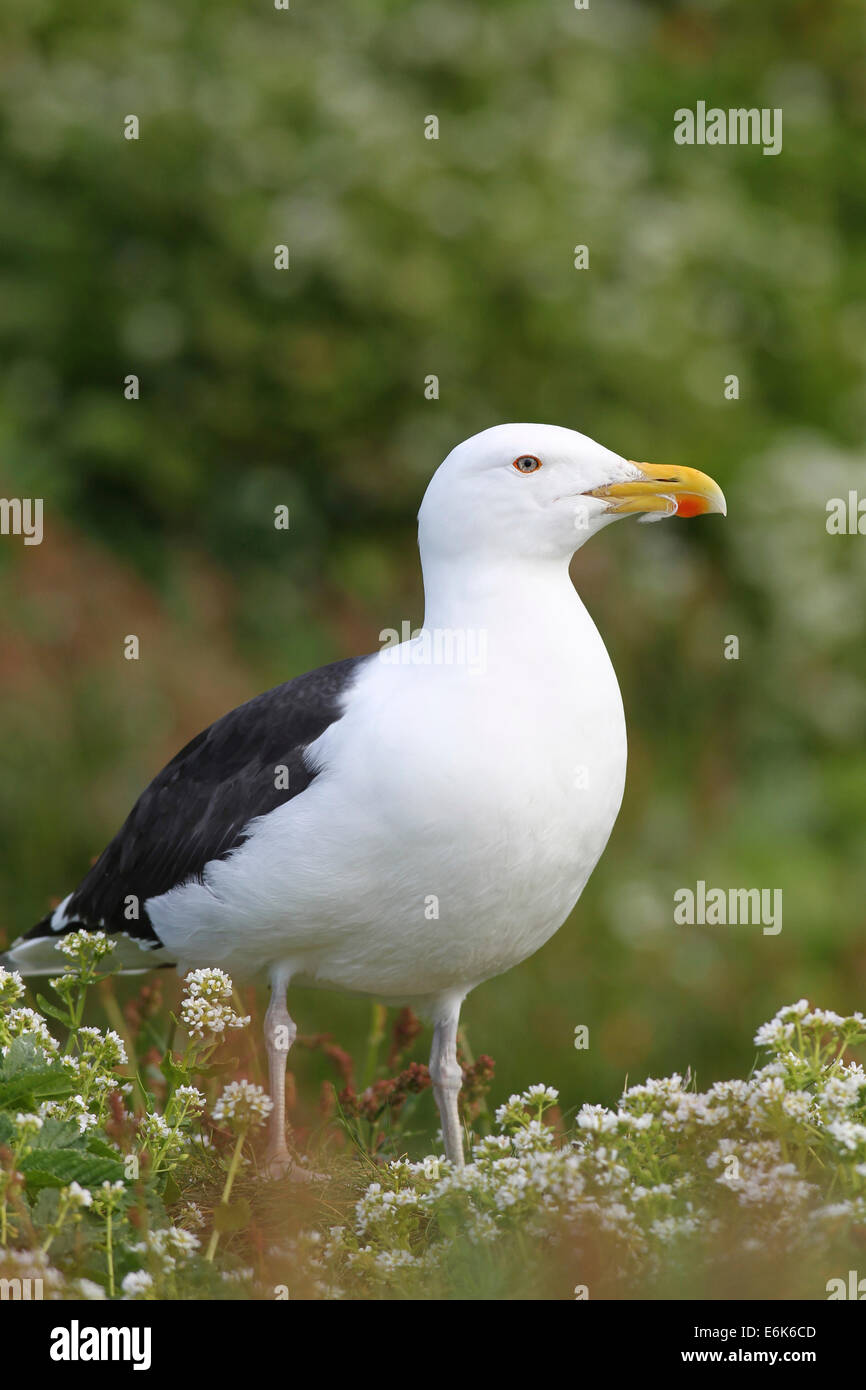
(407, 824)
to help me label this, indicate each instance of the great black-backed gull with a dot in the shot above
(409, 823)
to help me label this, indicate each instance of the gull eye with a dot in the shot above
(527, 463)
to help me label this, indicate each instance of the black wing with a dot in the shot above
(197, 809)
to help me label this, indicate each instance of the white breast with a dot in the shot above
(455, 819)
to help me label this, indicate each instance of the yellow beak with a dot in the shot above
(683, 491)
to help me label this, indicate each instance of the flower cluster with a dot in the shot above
(164, 1248)
(86, 949)
(74, 1114)
(11, 987)
(668, 1166)
(242, 1105)
(206, 1011)
(669, 1178)
(19, 1021)
(167, 1137)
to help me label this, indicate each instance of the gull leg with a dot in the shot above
(447, 1077)
(280, 1033)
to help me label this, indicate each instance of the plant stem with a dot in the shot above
(54, 1229)
(374, 1038)
(109, 1250)
(224, 1199)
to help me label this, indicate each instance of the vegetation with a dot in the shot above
(128, 1183)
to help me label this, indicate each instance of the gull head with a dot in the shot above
(540, 491)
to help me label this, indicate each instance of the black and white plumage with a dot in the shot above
(445, 800)
(198, 809)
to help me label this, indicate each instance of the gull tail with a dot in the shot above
(36, 952)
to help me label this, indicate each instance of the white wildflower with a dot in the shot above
(597, 1119)
(29, 1124)
(88, 1290)
(11, 987)
(849, 1135)
(243, 1104)
(86, 947)
(137, 1284)
(21, 1023)
(204, 1018)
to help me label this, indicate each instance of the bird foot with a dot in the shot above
(280, 1164)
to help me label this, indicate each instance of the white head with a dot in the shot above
(539, 491)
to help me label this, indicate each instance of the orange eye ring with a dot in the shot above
(527, 463)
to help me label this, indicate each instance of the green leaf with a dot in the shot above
(45, 1207)
(57, 1167)
(25, 1054)
(174, 1075)
(149, 1097)
(95, 1145)
(61, 1134)
(52, 1011)
(171, 1193)
(22, 1091)
(232, 1216)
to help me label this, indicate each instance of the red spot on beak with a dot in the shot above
(690, 505)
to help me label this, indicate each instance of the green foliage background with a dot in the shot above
(452, 257)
